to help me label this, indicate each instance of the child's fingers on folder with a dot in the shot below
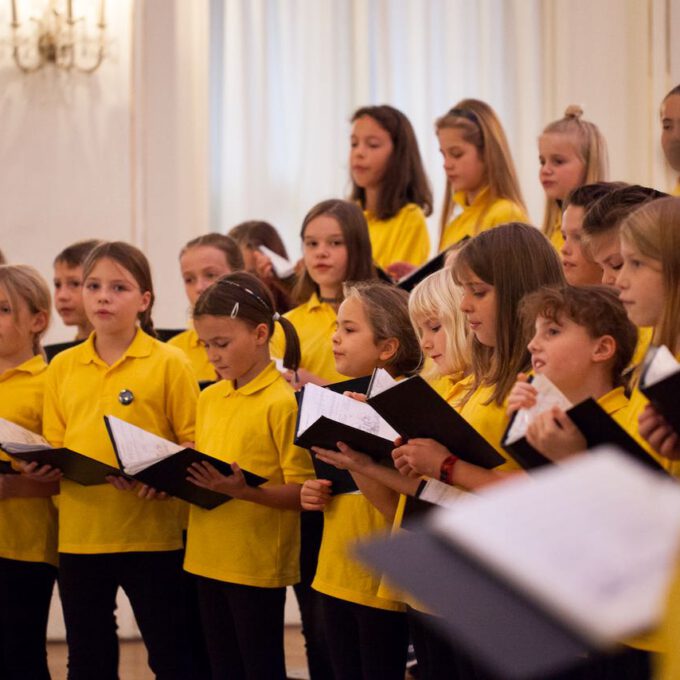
(345, 459)
(554, 434)
(206, 476)
(150, 494)
(661, 436)
(41, 473)
(121, 483)
(397, 270)
(315, 494)
(425, 456)
(522, 395)
(401, 463)
(357, 396)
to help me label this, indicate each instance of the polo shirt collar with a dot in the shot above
(32, 366)
(460, 197)
(269, 375)
(140, 346)
(614, 400)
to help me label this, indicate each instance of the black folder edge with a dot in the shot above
(342, 481)
(663, 395)
(410, 281)
(478, 611)
(94, 471)
(165, 334)
(397, 405)
(52, 350)
(598, 428)
(184, 489)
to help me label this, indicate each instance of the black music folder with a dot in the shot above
(415, 410)
(73, 465)
(660, 383)
(410, 281)
(597, 427)
(326, 417)
(164, 465)
(342, 480)
(165, 334)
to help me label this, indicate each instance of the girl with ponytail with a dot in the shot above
(120, 534)
(245, 552)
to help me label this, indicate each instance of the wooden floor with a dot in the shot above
(133, 664)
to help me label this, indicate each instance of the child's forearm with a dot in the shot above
(279, 496)
(20, 486)
(391, 478)
(379, 495)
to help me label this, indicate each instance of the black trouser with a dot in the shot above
(318, 658)
(364, 642)
(154, 584)
(25, 595)
(243, 627)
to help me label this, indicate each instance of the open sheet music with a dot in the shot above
(594, 540)
(547, 396)
(283, 268)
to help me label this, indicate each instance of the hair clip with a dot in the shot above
(234, 310)
(276, 316)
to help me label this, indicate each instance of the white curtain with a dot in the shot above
(293, 71)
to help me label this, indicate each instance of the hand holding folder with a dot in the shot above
(28, 447)
(164, 465)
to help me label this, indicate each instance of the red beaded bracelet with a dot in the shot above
(446, 470)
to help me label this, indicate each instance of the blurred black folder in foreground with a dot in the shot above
(535, 573)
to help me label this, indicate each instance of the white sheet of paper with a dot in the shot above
(11, 433)
(595, 540)
(283, 268)
(440, 493)
(138, 448)
(662, 363)
(318, 402)
(380, 381)
(547, 396)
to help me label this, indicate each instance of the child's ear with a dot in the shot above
(388, 349)
(39, 322)
(605, 348)
(261, 332)
(146, 301)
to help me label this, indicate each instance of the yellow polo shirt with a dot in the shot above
(28, 526)
(315, 323)
(676, 189)
(402, 238)
(189, 343)
(556, 238)
(240, 541)
(80, 390)
(473, 220)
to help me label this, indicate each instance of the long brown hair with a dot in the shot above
(654, 230)
(134, 261)
(515, 259)
(225, 244)
(479, 125)
(354, 229)
(243, 296)
(404, 180)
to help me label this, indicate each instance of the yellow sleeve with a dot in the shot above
(502, 212)
(413, 245)
(182, 398)
(54, 425)
(296, 463)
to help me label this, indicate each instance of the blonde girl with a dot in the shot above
(202, 261)
(571, 152)
(366, 633)
(119, 534)
(390, 185)
(28, 523)
(482, 190)
(335, 248)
